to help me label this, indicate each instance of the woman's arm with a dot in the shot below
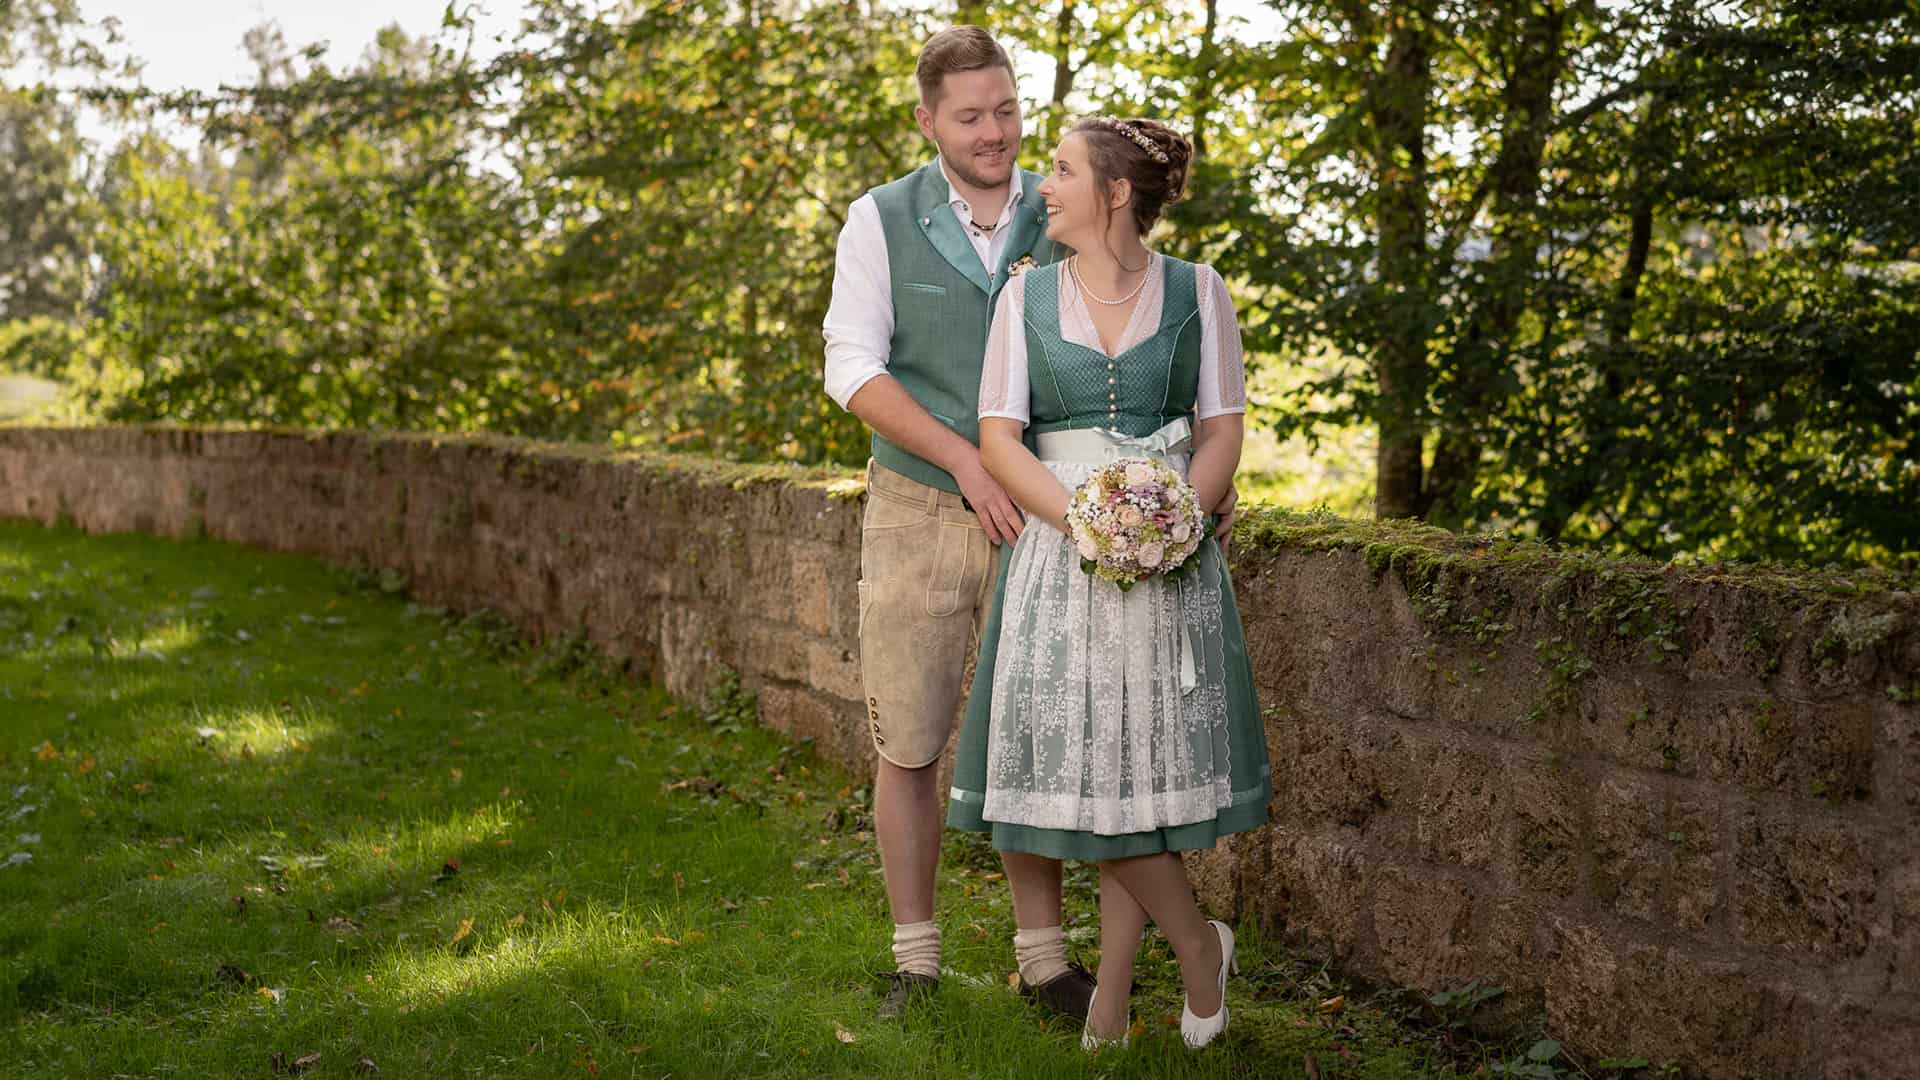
(1220, 405)
(1216, 454)
(1032, 485)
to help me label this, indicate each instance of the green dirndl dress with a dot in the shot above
(1104, 724)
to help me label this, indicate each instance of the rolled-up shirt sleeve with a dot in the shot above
(859, 323)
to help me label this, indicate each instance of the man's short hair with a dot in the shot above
(957, 48)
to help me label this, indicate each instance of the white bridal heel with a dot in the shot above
(1198, 1031)
(1092, 1043)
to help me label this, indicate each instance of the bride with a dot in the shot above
(1107, 724)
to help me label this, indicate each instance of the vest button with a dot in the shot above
(926, 221)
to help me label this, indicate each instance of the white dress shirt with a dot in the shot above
(859, 324)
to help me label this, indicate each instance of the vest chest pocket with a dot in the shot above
(924, 288)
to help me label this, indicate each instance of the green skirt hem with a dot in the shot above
(1071, 844)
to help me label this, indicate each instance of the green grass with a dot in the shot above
(274, 809)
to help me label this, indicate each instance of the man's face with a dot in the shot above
(976, 124)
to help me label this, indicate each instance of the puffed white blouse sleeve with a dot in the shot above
(1003, 375)
(1223, 375)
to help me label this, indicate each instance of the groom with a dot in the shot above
(919, 266)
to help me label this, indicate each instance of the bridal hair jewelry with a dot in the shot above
(1133, 134)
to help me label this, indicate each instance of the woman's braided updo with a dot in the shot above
(1148, 154)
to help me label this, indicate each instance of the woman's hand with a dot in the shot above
(1223, 515)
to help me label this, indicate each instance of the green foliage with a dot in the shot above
(1633, 276)
(1636, 277)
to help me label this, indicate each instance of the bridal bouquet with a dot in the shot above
(1133, 519)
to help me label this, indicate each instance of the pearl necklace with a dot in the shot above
(1073, 270)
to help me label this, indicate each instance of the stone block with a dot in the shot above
(1315, 887)
(1803, 881)
(1597, 984)
(1631, 854)
(1335, 769)
(834, 669)
(770, 650)
(1898, 930)
(1867, 1040)
(1696, 830)
(1463, 801)
(834, 725)
(1723, 1015)
(1791, 747)
(1423, 928)
(1543, 829)
(813, 578)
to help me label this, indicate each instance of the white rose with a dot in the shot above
(1131, 517)
(1151, 554)
(1181, 530)
(1089, 549)
(1139, 473)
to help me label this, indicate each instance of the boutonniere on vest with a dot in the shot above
(1019, 266)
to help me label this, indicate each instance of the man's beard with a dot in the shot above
(962, 167)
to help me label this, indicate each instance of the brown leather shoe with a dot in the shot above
(1069, 993)
(904, 987)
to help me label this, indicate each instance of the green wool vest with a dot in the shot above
(943, 303)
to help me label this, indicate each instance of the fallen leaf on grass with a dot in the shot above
(366, 1067)
(1313, 1068)
(1334, 1004)
(279, 1063)
(843, 1034)
(447, 871)
(462, 934)
(232, 973)
(272, 994)
(46, 752)
(84, 766)
(340, 924)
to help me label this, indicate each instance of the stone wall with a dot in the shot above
(1672, 806)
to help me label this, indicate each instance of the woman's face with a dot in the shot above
(1076, 214)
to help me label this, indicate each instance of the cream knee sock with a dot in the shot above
(916, 948)
(1041, 953)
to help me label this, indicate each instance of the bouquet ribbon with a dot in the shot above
(1098, 446)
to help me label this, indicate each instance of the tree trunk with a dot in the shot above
(1203, 80)
(1484, 360)
(1063, 72)
(1398, 107)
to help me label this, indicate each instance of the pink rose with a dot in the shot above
(1139, 474)
(1181, 530)
(1151, 554)
(1131, 517)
